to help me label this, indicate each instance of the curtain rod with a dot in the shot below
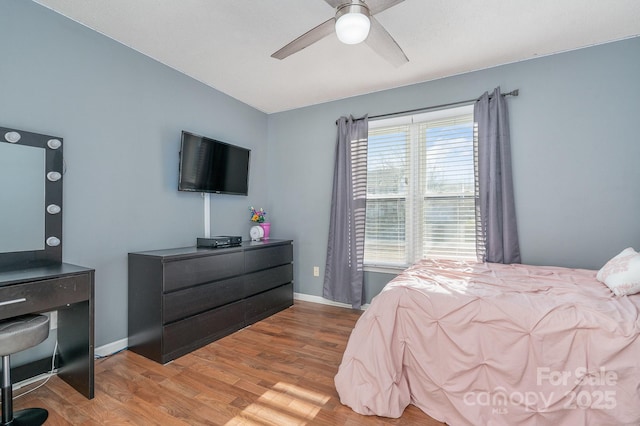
(514, 92)
(511, 93)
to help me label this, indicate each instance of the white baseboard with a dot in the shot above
(111, 348)
(32, 380)
(323, 301)
(102, 351)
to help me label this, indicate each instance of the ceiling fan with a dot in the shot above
(353, 23)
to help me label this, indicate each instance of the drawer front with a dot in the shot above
(268, 303)
(264, 258)
(41, 296)
(191, 301)
(190, 272)
(267, 279)
(186, 335)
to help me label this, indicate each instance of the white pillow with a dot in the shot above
(622, 273)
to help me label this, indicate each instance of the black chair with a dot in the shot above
(18, 334)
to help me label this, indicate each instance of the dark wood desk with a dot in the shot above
(68, 289)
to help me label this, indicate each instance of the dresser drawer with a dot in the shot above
(268, 303)
(193, 300)
(267, 279)
(184, 336)
(41, 296)
(185, 273)
(269, 257)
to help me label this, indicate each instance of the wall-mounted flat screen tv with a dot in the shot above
(208, 165)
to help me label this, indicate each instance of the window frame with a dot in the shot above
(413, 229)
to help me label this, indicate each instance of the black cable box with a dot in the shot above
(221, 241)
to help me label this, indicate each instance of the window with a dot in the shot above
(421, 188)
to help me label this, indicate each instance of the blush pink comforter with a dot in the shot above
(492, 344)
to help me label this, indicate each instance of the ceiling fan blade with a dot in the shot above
(377, 6)
(306, 39)
(384, 45)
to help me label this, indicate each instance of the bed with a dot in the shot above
(492, 344)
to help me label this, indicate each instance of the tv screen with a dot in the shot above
(208, 165)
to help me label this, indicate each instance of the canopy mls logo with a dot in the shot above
(499, 400)
(597, 396)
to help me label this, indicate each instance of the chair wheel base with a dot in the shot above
(28, 417)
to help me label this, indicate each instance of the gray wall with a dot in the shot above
(575, 156)
(120, 114)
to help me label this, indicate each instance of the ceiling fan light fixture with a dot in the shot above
(352, 23)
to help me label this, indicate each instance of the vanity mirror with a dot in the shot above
(30, 199)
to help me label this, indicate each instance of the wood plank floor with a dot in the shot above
(276, 372)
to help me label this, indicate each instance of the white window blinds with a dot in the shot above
(421, 188)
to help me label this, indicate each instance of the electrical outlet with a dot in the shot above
(316, 271)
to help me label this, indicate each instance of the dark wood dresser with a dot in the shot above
(184, 298)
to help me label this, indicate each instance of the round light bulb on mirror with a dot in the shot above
(54, 176)
(53, 241)
(53, 209)
(12, 137)
(54, 143)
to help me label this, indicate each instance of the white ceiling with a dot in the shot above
(227, 44)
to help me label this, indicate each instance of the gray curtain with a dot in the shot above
(344, 274)
(496, 201)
